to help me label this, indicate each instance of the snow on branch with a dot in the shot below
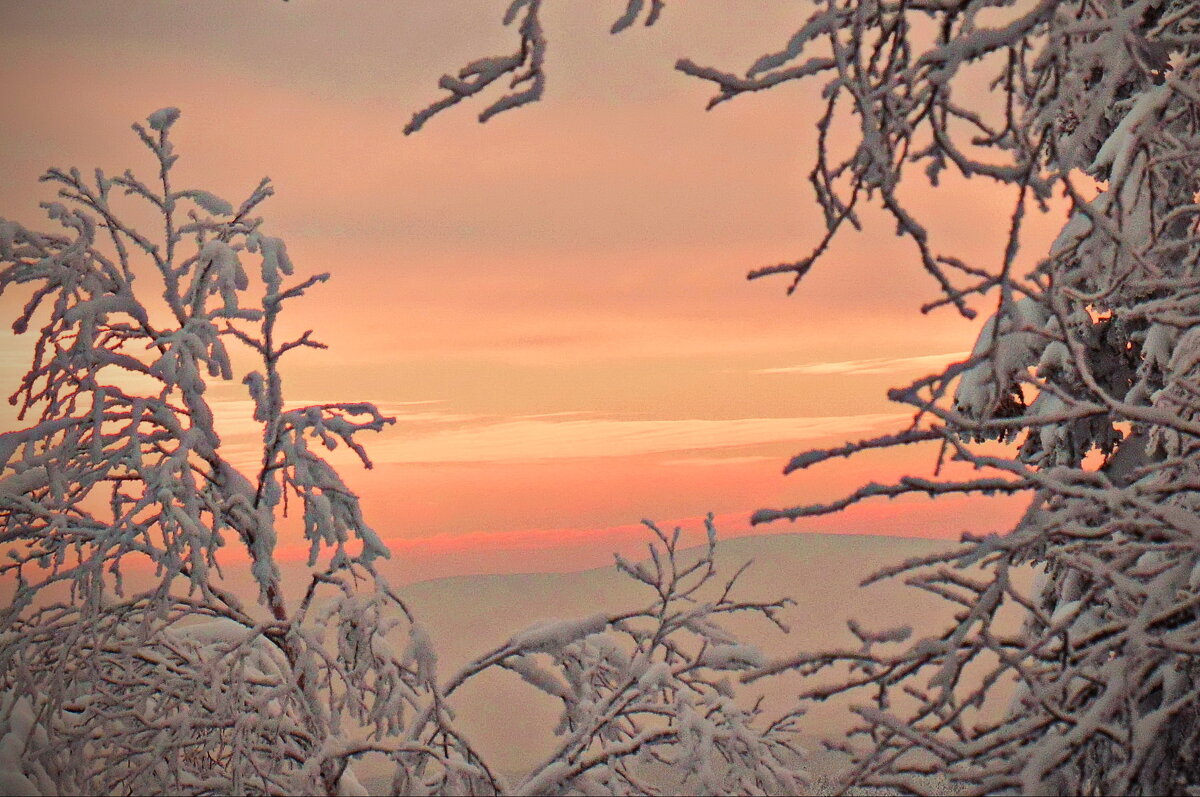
(654, 685)
(524, 69)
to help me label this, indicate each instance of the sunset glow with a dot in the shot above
(551, 304)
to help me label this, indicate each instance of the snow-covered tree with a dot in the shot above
(180, 684)
(1087, 368)
(129, 661)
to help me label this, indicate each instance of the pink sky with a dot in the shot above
(554, 303)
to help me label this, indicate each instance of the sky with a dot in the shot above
(553, 304)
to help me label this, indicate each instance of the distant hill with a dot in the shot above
(511, 722)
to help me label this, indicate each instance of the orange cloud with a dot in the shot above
(522, 440)
(431, 436)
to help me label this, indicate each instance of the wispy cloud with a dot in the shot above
(425, 434)
(874, 365)
(719, 460)
(530, 439)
